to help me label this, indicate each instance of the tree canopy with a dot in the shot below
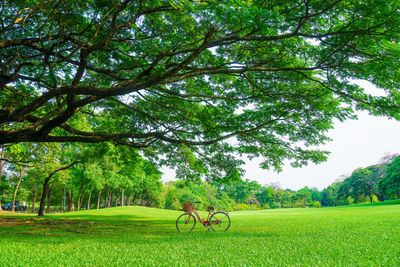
(390, 184)
(198, 81)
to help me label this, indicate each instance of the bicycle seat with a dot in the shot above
(210, 208)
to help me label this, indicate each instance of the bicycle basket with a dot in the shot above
(187, 207)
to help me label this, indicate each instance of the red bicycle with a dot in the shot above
(216, 220)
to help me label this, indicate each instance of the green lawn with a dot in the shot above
(350, 236)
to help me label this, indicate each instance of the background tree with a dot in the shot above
(377, 173)
(240, 191)
(265, 196)
(359, 185)
(390, 183)
(1, 169)
(33, 184)
(18, 159)
(303, 197)
(329, 195)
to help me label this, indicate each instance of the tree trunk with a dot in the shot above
(1, 166)
(44, 194)
(83, 196)
(105, 196)
(48, 198)
(398, 195)
(109, 199)
(79, 196)
(62, 201)
(70, 200)
(80, 200)
(90, 194)
(98, 199)
(16, 189)
(34, 200)
(46, 186)
(134, 198)
(128, 199)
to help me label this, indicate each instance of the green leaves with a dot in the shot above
(201, 82)
(390, 183)
(194, 164)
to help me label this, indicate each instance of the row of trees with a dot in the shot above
(371, 184)
(72, 176)
(240, 195)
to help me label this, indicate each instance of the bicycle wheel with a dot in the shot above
(186, 222)
(220, 221)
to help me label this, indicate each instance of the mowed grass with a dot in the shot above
(139, 236)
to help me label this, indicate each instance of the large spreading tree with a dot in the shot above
(197, 81)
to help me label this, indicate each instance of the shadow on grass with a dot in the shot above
(83, 225)
(112, 226)
(93, 225)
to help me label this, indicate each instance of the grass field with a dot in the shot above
(346, 236)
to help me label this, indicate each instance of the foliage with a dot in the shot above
(362, 183)
(241, 191)
(236, 196)
(104, 173)
(390, 184)
(329, 195)
(183, 77)
(241, 206)
(180, 191)
(110, 175)
(315, 204)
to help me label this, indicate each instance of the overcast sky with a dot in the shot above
(356, 143)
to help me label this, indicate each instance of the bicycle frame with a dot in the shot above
(205, 222)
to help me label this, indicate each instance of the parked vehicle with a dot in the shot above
(17, 207)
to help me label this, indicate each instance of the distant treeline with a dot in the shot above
(371, 184)
(72, 177)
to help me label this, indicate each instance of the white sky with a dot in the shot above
(356, 143)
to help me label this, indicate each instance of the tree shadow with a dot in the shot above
(142, 229)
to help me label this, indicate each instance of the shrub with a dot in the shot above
(276, 205)
(176, 205)
(299, 204)
(225, 203)
(287, 205)
(255, 207)
(266, 206)
(241, 206)
(349, 200)
(315, 204)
